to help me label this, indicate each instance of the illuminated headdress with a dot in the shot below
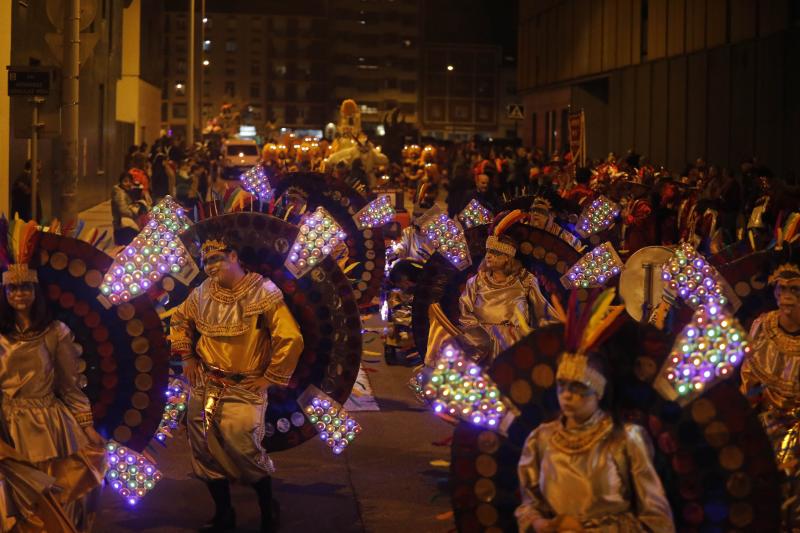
(586, 329)
(17, 243)
(786, 272)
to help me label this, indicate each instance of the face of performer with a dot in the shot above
(482, 183)
(20, 296)
(496, 261)
(578, 402)
(222, 266)
(539, 218)
(787, 295)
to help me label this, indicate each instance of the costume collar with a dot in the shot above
(580, 439)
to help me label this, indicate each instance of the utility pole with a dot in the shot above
(190, 85)
(69, 111)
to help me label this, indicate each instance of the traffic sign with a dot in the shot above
(516, 111)
(28, 81)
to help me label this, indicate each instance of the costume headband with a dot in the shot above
(496, 245)
(541, 204)
(19, 273)
(575, 367)
(212, 246)
(786, 272)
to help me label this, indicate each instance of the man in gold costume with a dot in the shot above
(771, 378)
(236, 338)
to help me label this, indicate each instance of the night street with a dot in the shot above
(399, 266)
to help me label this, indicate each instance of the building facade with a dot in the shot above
(267, 59)
(289, 65)
(375, 53)
(33, 39)
(138, 105)
(671, 79)
(461, 90)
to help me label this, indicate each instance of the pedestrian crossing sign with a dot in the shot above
(516, 111)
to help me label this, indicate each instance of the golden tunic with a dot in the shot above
(43, 412)
(773, 365)
(598, 474)
(488, 310)
(771, 374)
(246, 330)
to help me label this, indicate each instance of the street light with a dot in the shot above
(450, 68)
(179, 86)
(206, 62)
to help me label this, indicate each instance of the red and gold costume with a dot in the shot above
(639, 224)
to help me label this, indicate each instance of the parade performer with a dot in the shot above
(46, 418)
(586, 471)
(638, 217)
(771, 378)
(496, 302)
(246, 341)
(349, 132)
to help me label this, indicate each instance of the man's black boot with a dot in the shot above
(224, 517)
(270, 509)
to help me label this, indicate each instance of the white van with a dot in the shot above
(238, 155)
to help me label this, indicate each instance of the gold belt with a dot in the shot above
(226, 377)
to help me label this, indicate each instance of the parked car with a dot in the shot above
(238, 155)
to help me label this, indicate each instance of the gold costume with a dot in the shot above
(772, 372)
(489, 310)
(43, 414)
(598, 474)
(244, 332)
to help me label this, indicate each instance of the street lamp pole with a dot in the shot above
(190, 85)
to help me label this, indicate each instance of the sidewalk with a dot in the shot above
(98, 216)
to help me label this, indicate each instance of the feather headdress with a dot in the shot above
(588, 326)
(18, 242)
